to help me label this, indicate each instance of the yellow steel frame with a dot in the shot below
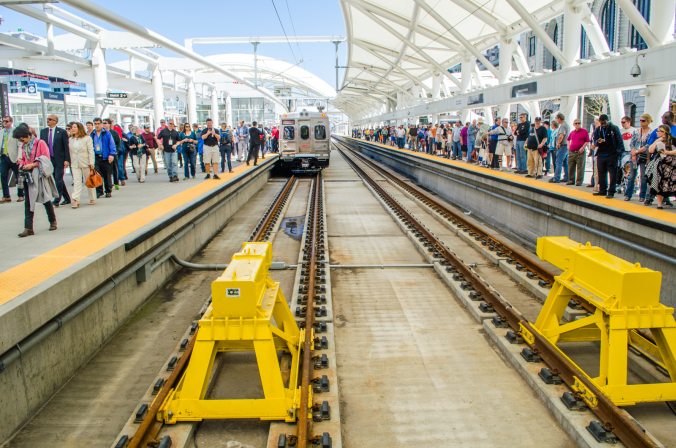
(248, 312)
(626, 298)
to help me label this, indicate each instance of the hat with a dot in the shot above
(146, 126)
(603, 117)
(538, 119)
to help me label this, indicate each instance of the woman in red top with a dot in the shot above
(30, 150)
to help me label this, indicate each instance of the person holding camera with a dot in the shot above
(609, 146)
(35, 174)
(188, 141)
(210, 137)
(139, 151)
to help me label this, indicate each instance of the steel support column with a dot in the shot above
(662, 25)
(100, 77)
(506, 56)
(572, 24)
(158, 96)
(214, 107)
(192, 101)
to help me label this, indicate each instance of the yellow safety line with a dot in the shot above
(641, 210)
(25, 276)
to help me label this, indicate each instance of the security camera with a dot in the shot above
(635, 71)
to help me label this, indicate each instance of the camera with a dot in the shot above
(25, 176)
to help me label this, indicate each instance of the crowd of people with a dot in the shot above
(622, 157)
(99, 154)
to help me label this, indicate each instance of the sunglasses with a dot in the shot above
(577, 122)
(642, 121)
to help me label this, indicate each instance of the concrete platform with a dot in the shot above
(526, 209)
(106, 260)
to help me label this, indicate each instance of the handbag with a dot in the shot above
(94, 180)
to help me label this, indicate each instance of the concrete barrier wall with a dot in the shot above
(525, 215)
(29, 382)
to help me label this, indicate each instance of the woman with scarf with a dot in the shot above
(36, 176)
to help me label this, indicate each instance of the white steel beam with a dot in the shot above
(636, 19)
(605, 75)
(126, 24)
(539, 32)
(465, 43)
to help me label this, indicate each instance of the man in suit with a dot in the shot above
(9, 151)
(57, 141)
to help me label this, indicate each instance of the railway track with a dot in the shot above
(612, 417)
(149, 430)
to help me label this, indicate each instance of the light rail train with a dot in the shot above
(304, 141)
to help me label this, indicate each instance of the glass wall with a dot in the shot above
(250, 109)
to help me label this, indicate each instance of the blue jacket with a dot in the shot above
(107, 144)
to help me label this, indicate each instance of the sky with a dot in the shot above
(180, 19)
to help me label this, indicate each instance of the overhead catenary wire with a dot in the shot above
(293, 27)
(281, 24)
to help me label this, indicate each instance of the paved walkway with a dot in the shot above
(74, 223)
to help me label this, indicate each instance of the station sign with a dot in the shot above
(116, 95)
(4, 100)
(107, 101)
(32, 89)
(53, 96)
(530, 88)
(475, 99)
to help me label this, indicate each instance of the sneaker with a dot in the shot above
(528, 175)
(108, 195)
(598, 193)
(208, 176)
(539, 177)
(19, 199)
(216, 176)
(570, 183)
(117, 187)
(610, 196)
(52, 226)
(554, 181)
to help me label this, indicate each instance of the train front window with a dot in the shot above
(320, 132)
(289, 133)
(304, 132)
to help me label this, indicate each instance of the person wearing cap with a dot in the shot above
(151, 144)
(609, 147)
(536, 145)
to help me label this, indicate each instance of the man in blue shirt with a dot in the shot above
(104, 155)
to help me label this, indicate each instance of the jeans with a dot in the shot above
(7, 167)
(121, 161)
(607, 168)
(521, 156)
(105, 169)
(561, 164)
(189, 158)
(28, 214)
(456, 150)
(400, 142)
(631, 183)
(226, 151)
(171, 163)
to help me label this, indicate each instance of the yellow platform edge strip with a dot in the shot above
(627, 206)
(25, 276)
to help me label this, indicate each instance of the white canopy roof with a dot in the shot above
(396, 45)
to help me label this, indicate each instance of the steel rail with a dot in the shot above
(148, 429)
(622, 425)
(503, 247)
(304, 421)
